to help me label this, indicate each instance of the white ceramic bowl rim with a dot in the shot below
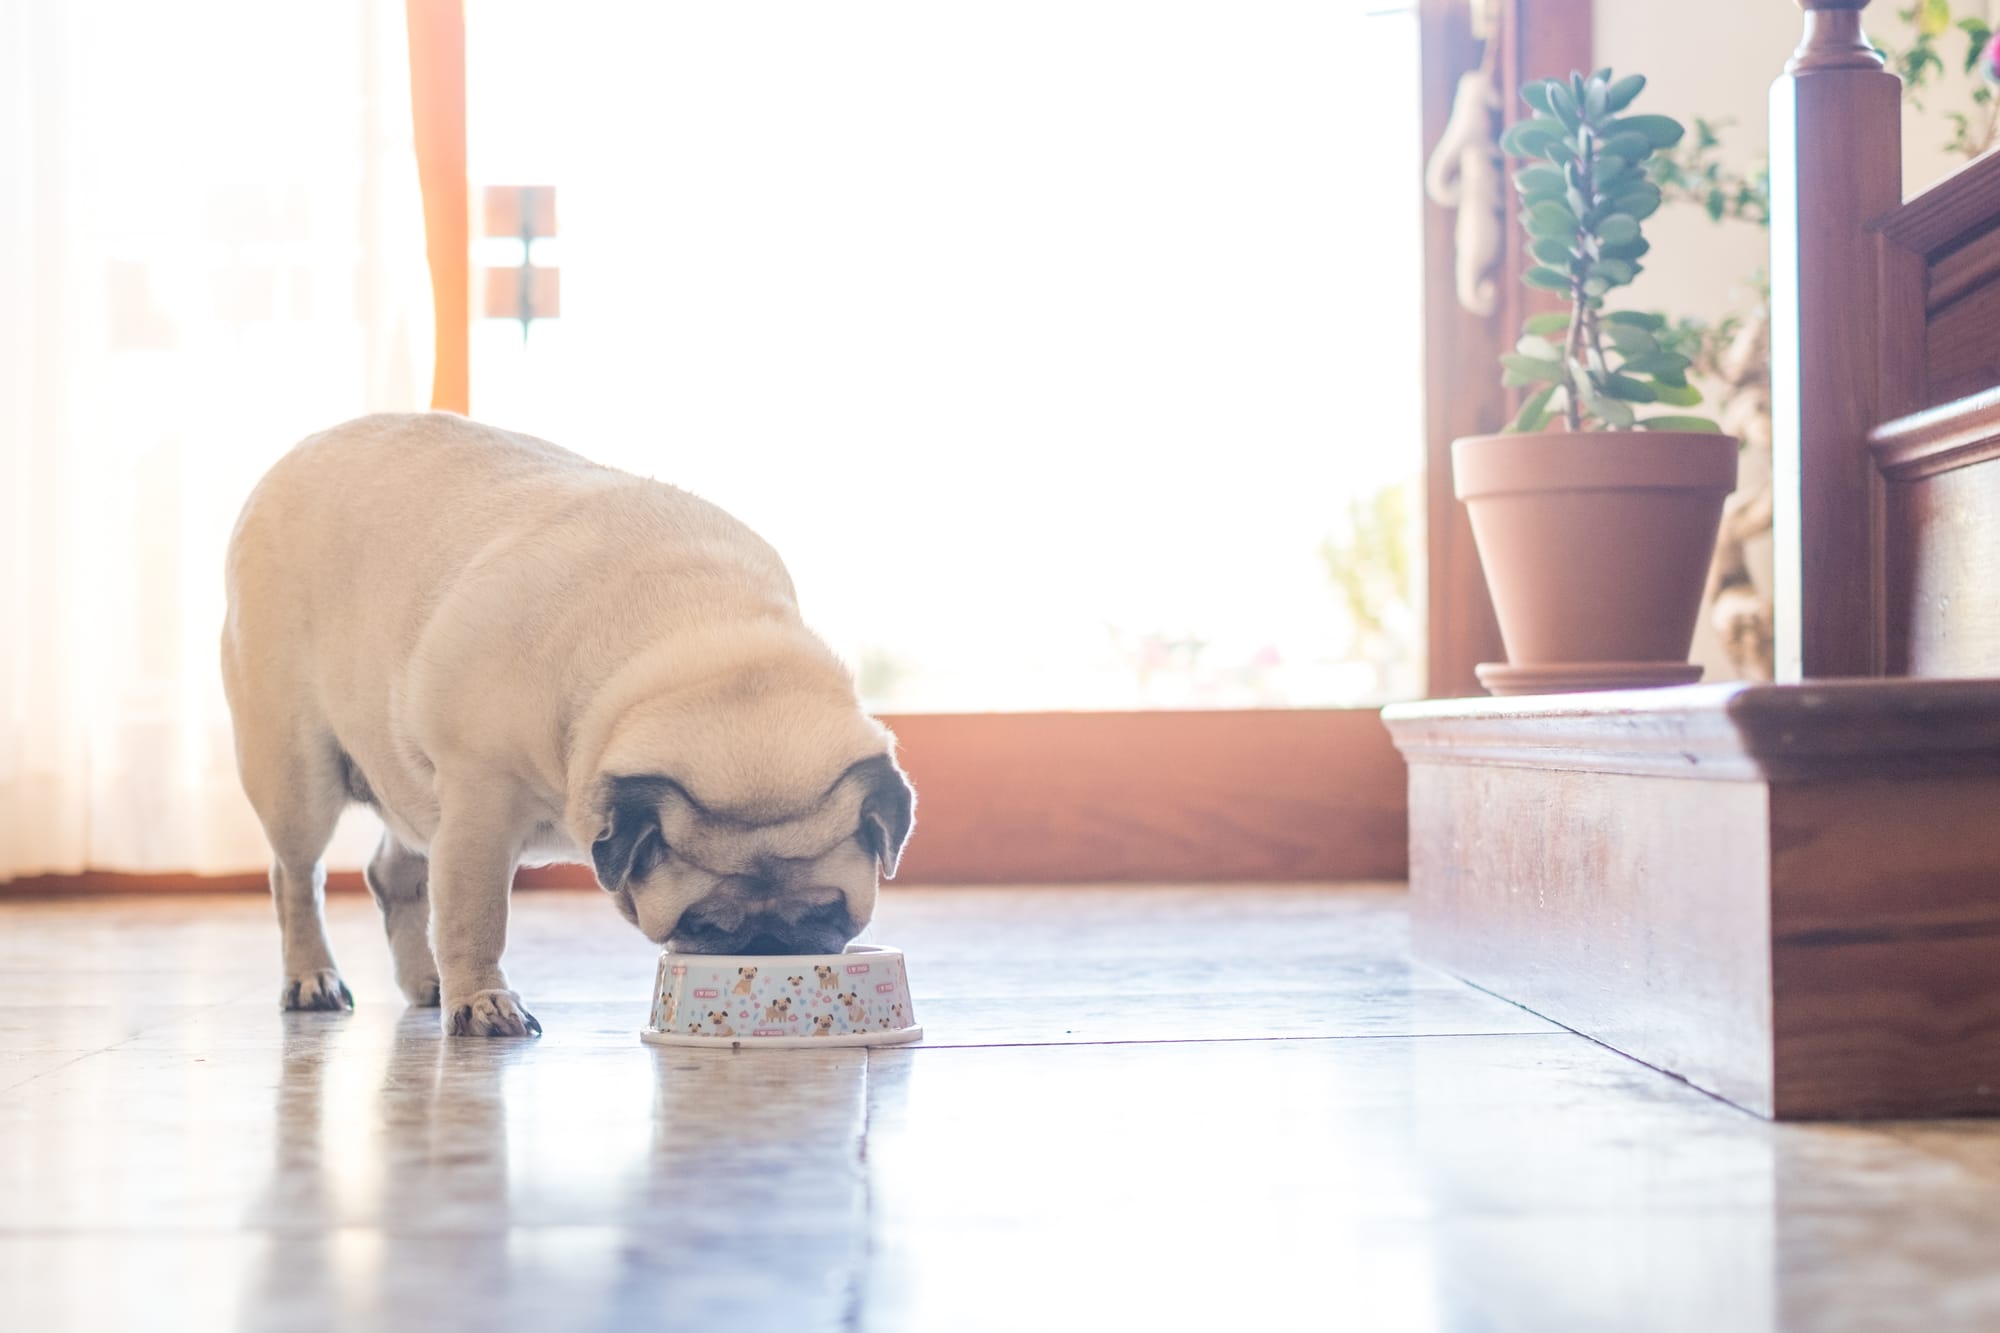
(727, 960)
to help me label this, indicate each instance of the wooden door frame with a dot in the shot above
(1462, 392)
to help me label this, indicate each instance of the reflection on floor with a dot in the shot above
(1158, 1109)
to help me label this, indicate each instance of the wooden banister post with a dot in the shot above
(1836, 166)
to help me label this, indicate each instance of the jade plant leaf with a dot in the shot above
(1620, 94)
(1541, 179)
(1659, 131)
(1530, 138)
(1551, 252)
(1627, 389)
(1618, 229)
(1534, 413)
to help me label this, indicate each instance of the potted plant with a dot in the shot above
(1596, 511)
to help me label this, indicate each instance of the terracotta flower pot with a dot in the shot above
(1596, 547)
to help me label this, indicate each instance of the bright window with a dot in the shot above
(1069, 352)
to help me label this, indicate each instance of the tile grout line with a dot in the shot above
(1213, 1041)
(123, 1041)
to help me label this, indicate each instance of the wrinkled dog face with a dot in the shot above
(752, 881)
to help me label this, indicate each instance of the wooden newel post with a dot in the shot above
(1836, 155)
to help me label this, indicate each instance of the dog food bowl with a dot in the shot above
(857, 998)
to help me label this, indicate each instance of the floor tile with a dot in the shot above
(1159, 1109)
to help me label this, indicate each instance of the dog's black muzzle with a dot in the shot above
(823, 929)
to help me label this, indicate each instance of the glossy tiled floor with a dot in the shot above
(1233, 1109)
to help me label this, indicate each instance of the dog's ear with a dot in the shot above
(631, 844)
(888, 812)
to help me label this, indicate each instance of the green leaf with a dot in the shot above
(1978, 35)
(1641, 201)
(1627, 389)
(1536, 95)
(1617, 272)
(1632, 342)
(1659, 131)
(1612, 170)
(1608, 410)
(1534, 413)
(1537, 348)
(1551, 251)
(1630, 250)
(1631, 147)
(1565, 107)
(1666, 368)
(1640, 319)
(1540, 179)
(1530, 138)
(1676, 395)
(1548, 279)
(1524, 370)
(1700, 424)
(1550, 218)
(1933, 17)
(1660, 362)
(1618, 229)
(1593, 99)
(1547, 323)
(1620, 94)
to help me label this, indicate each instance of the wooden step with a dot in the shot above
(1788, 895)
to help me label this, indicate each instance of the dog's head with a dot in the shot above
(797, 878)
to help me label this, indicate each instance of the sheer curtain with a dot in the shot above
(211, 244)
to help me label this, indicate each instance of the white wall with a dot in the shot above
(1718, 59)
(1715, 59)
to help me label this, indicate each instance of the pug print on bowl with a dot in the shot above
(857, 998)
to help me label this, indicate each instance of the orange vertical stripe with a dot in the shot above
(437, 103)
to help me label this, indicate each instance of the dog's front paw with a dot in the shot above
(317, 990)
(419, 984)
(490, 1013)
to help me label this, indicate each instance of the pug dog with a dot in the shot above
(515, 656)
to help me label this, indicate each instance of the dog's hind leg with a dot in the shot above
(400, 880)
(298, 794)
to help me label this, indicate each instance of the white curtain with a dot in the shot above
(211, 244)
